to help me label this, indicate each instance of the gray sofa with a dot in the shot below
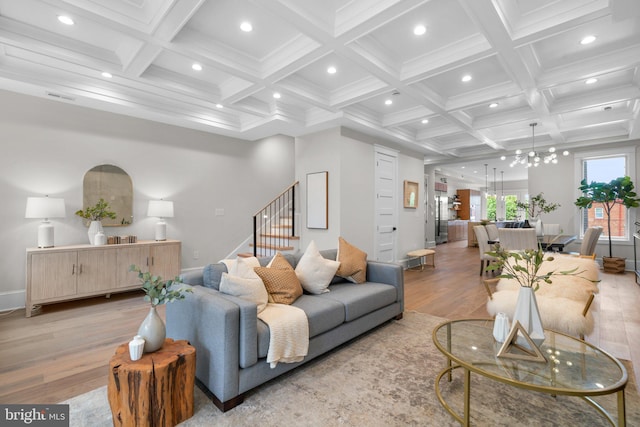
(232, 343)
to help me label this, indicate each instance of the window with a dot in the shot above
(598, 213)
(604, 168)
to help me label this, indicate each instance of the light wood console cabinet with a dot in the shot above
(71, 272)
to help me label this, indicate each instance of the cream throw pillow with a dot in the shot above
(353, 262)
(251, 289)
(314, 271)
(243, 267)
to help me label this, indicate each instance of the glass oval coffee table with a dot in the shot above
(573, 367)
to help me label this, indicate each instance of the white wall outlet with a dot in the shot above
(219, 211)
(196, 254)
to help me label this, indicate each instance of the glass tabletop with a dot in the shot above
(572, 367)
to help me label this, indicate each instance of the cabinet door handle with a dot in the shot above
(80, 269)
(73, 269)
(152, 261)
(147, 261)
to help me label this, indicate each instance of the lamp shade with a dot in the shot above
(160, 208)
(45, 207)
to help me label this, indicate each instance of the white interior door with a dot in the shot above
(386, 204)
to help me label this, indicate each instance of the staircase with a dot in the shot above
(274, 226)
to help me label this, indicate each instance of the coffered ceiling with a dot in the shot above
(525, 56)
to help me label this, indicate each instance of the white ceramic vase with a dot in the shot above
(501, 327)
(153, 331)
(538, 227)
(528, 315)
(94, 227)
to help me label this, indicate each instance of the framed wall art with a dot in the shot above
(410, 194)
(318, 200)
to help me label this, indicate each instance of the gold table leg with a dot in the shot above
(467, 397)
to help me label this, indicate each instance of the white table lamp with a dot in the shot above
(160, 209)
(45, 208)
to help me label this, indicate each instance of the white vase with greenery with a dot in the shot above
(157, 292)
(95, 214)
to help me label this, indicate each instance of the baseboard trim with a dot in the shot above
(12, 300)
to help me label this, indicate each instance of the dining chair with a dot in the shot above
(492, 232)
(483, 245)
(550, 229)
(589, 242)
(518, 239)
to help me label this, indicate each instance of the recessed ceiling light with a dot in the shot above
(277, 95)
(388, 102)
(493, 105)
(196, 67)
(588, 39)
(503, 157)
(419, 30)
(106, 75)
(591, 81)
(66, 20)
(218, 105)
(466, 78)
(246, 27)
(331, 70)
(425, 121)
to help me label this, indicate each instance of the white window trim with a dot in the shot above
(630, 168)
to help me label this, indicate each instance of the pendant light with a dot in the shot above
(486, 181)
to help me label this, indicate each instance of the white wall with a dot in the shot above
(349, 156)
(48, 146)
(319, 152)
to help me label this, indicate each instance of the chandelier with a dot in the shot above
(533, 158)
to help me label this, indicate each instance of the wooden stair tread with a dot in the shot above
(273, 247)
(279, 236)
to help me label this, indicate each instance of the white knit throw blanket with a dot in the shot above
(289, 333)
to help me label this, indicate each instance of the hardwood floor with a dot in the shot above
(65, 351)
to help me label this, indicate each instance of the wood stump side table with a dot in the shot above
(156, 390)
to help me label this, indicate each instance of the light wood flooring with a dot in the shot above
(65, 351)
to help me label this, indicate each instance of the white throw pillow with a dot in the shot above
(314, 271)
(246, 288)
(243, 267)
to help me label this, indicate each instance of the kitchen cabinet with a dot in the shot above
(457, 230)
(71, 272)
(469, 204)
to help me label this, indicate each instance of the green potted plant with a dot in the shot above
(536, 206)
(608, 194)
(95, 214)
(157, 292)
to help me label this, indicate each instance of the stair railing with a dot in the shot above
(269, 231)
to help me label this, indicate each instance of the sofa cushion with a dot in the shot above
(212, 274)
(243, 267)
(361, 299)
(282, 284)
(322, 314)
(314, 271)
(251, 289)
(353, 262)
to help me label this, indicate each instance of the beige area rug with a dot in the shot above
(384, 378)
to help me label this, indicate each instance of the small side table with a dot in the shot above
(156, 390)
(422, 254)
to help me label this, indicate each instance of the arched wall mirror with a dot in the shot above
(114, 185)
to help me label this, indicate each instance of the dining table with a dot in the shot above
(556, 243)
